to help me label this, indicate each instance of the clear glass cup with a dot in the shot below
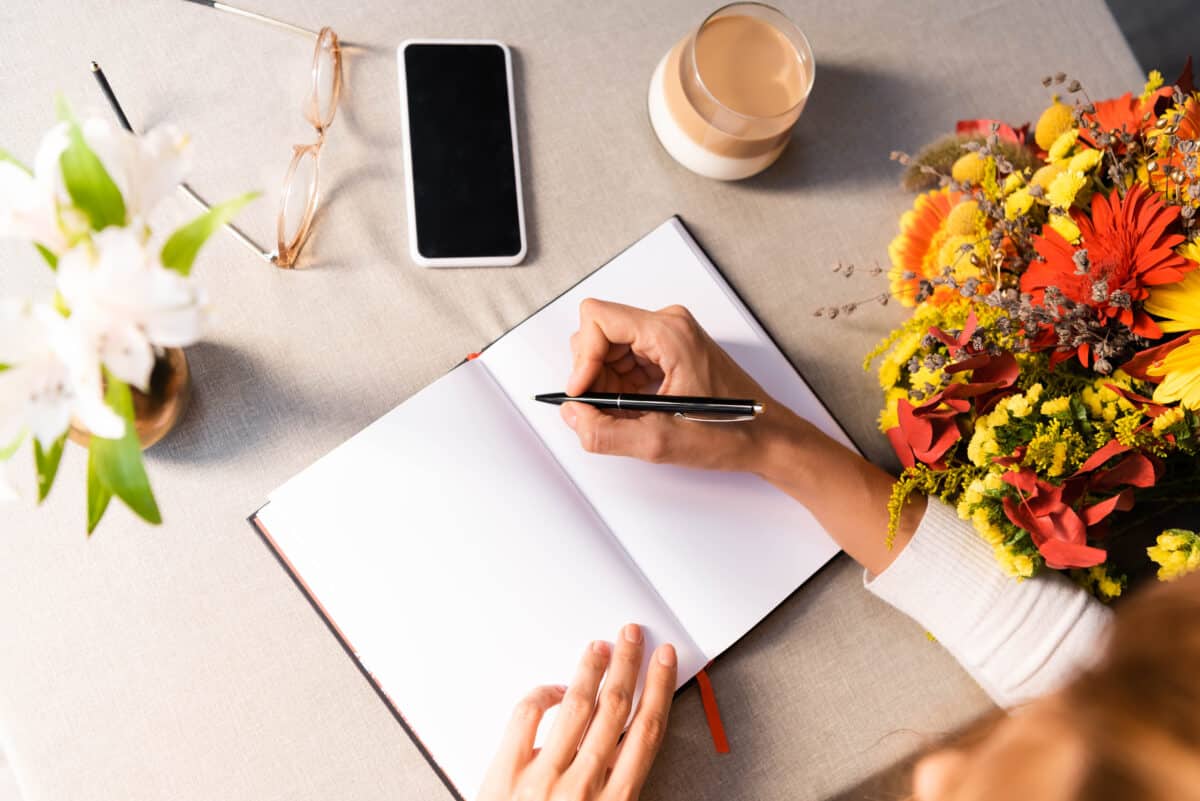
(724, 100)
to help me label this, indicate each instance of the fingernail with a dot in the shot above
(632, 633)
(666, 656)
(560, 688)
(600, 647)
(568, 415)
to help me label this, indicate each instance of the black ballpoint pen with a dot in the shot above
(686, 406)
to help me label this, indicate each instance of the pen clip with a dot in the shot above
(719, 418)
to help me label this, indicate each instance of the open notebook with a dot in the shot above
(465, 548)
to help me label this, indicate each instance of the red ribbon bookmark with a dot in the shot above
(712, 713)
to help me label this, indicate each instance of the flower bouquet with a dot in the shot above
(121, 297)
(1047, 382)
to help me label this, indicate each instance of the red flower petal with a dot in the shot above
(1113, 448)
(1135, 470)
(1137, 366)
(900, 446)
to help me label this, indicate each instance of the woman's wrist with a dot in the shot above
(785, 446)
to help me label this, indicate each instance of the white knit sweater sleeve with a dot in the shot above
(1018, 640)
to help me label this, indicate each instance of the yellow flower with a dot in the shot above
(1190, 250)
(1176, 553)
(1061, 148)
(1034, 393)
(1091, 399)
(1053, 122)
(889, 373)
(1180, 371)
(983, 445)
(1056, 406)
(1046, 174)
(956, 254)
(1019, 566)
(888, 418)
(965, 219)
(1060, 459)
(924, 376)
(1018, 203)
(1179, 303)
(1065, 226)
(993, 482)
(964, 509)
(983, 524)
(998, 416)
(1168, 418)
(969, 169)
(1099, 579)
(1120, 378)
(1018, 406)
(1065, 187)
(907, 347)
(1085, 161)
(1153, 84)
(1013, 182)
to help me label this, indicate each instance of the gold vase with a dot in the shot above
(158, 411)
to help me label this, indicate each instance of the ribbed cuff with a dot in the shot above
(943, 576)
(1017, 639)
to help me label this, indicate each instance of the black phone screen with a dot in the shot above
(463, 172)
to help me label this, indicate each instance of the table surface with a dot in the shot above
(181, 662)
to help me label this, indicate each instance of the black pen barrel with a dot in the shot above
(676, 404)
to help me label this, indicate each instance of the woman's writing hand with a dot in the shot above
(582, 759)
(623, 349)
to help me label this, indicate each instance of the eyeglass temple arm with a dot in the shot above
(106, 88)
(238, 234)
(241, 12)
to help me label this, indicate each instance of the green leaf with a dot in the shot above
(91, 188)
(50, 258)
(119, 466)
(11, 159)
(60, 304)
(98, 495)
(11, 448)
(180, 250)
(47, 464)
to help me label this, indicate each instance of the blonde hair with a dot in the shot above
(1137, 713)
(1134, 718)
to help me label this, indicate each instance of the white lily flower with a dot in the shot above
(51, 376)
(145, 168)
(127, 303)
(27, 209)
(8, 490)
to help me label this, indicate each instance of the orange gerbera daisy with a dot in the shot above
(1122, 114)
(1173, 158)
(1129, 244)
(914, 251)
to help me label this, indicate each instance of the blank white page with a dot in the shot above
(461, 565)
(722, 549)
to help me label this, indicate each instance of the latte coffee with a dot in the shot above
(723, 101)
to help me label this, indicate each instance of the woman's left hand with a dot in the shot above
(583, 759)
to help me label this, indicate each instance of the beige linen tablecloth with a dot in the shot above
(181, 662)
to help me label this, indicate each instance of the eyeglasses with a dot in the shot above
(301, 184)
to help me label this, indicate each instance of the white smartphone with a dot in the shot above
(461, 166)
